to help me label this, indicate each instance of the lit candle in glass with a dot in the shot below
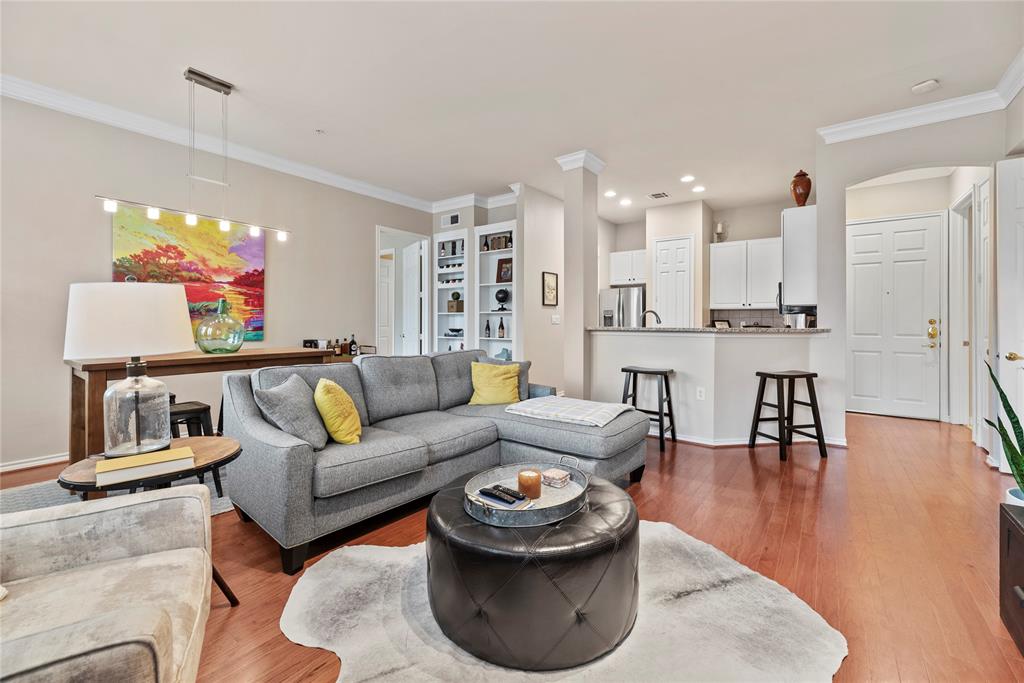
(529, 483)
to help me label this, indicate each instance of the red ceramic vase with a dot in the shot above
(800, 188)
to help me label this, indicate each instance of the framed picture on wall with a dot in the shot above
(549, 289)
(504, 273)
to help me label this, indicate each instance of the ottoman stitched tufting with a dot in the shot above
(538, 598)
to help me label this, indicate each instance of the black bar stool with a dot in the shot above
(785, 410)
(194, 415)
(664, 397)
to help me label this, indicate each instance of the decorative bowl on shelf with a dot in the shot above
(455, 331)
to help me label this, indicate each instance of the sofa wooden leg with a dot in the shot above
(636, 474)
(292, 559)
(241, 514)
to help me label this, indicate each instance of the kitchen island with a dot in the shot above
(714, 385)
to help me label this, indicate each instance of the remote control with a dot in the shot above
(497, 495)
(511, 492)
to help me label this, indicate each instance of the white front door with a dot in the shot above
(984, 394)
(673, 294)
(411, 300)
(386, 302)
(892, 302)
(1010, 289)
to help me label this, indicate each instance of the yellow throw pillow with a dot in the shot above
(494, 384)
(337, 411)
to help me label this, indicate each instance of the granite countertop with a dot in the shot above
(713, 330)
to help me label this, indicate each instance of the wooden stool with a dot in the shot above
(664, 397)
(194, 415)
(785, 410)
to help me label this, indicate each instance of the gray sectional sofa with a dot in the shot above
(418, 435)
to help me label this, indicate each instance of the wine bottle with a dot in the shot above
(501, 328)
(442, 250)
(487, 328)
(353, 346)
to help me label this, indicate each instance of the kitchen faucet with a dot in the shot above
(643, 317)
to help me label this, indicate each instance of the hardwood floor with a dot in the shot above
(893, 541)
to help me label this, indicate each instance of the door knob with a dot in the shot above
(1013, 355)
(929, 346)
(933, 332)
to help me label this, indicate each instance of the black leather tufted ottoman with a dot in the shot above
(538, 598)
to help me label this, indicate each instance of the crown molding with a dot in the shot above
(57, 100)
(507, 199)
(581, 159)
(516, 188)
(983, 102)
(1013, 79)
(453, 203)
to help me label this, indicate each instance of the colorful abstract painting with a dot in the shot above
(212, 264)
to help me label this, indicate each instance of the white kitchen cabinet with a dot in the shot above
(764, 272)
(800, 256)
(627, 267)
(728, 275)
(746, 273)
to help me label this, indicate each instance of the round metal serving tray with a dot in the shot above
(554, 504)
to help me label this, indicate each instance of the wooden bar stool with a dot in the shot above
(194, 415)
(785, 409)
(664, 398)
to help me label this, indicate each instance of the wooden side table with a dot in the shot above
(211, 453)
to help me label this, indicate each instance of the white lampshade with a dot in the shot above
(121, 319)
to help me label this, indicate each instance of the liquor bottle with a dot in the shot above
(484, 246)
(344, 346)
(501, 328)
(353, 346)
(338, 350)
(462, 346)
(449, 347)
(487, 328)
(442, 250)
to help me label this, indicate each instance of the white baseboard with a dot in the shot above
(25, 463)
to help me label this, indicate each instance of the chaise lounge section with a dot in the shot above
(419, 433)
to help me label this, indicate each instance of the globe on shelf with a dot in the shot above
(502, 296)
(220, 333)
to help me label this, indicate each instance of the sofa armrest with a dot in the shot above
(538, 390)
(272, 480)
(130, 644)
(47, 540)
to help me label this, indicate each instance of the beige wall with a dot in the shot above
(971, 141)
(897, 199)
(320, 283)
(677, 220)
(606, 236)
(963, 178)
(1015, 126)
(630, 236)
(752, 222)
(543, 244)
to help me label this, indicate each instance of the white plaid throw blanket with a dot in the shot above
(572, 410)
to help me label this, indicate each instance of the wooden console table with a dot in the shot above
(89, 380)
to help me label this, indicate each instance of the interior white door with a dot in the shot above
(984, 394)
(892, 290)
(1010, 285)
(386, 302)
(411, 332)
(729, 275)
(764, 272)
(673, 294)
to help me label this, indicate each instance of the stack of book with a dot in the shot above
(146, 466)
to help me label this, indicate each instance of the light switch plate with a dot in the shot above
(700, 394)
(556, 319)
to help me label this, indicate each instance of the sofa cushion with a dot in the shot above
(524, 373)
(397, 385)
(338, 411)
(345, 375)
(590, 442)
(494, 384)
(290, 407)
(447, 435)
(454, 376)
(379, 455)
(175, 581)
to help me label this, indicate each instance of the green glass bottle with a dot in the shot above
(220, 333)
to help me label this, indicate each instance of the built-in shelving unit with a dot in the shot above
(494, 248)
(451, 275)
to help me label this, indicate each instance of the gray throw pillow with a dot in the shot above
(524, 373)
(290, 407)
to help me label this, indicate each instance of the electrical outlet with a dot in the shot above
(700, 394)
(556, 319)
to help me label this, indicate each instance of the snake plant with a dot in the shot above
(1014, 451)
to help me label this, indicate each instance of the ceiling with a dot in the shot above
(906, 176)
(436, 100)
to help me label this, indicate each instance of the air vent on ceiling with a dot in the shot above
(658, 195)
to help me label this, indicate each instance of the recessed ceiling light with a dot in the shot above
(609, 193)
(698, 188)
(924, 86)
(686, 178)
(625, 201)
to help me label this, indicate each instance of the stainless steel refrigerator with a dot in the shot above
(622, 306)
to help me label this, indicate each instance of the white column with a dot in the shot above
(580, 270)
